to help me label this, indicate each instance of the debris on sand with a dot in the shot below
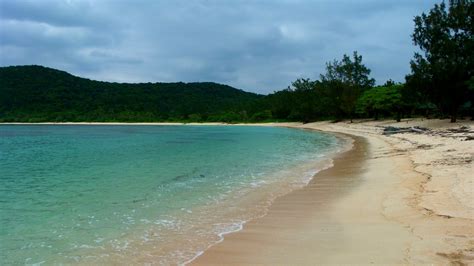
(394, 130)
(463, 132)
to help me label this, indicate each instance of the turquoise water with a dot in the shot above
(141, 194)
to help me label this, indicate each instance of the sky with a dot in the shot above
(257, 46)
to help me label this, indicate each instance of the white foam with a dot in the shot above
(234, 227)
(323, 162)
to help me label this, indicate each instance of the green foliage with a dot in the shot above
(441, 80)
(351, 77)
(381, 100)
(265, 115)
(36, 94)
(305, 101)
(442, 73)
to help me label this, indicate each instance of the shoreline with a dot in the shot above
(112, 123)
(289, 222)
(387, 215)
(269, 124)
(407, 198)
(257, 202)
(327, 162)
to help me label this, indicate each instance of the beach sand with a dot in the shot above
(399, 199)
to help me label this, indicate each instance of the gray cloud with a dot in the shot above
(258, 46)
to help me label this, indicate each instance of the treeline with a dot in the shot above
(346, 91)
(441, 84)
(38, 94)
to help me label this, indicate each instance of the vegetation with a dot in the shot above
(383, 100)
(441, 83)
(35, 93)
(445, 70)
(351, 78)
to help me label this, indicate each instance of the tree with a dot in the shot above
(349, 76)
(389, 83)
(382, 99)
(302, 84)
(40, 94)
(306, 101)
(446, 66)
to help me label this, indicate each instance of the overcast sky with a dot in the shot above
(258, 46)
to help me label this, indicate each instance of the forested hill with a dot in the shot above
(36, 93)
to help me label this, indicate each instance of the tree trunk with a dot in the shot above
(453, 118)
(454, 114)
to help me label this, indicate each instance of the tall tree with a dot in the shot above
(351, 77)
(443, 71)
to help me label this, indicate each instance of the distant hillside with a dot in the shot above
(36, 93)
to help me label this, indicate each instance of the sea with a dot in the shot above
(143, 194)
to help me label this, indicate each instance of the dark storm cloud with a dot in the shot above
(258, 46)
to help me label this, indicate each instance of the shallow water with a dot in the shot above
(141, 194)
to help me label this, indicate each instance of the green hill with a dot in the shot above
(36, 94)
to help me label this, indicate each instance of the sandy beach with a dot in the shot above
(397, 199)
(405, 198)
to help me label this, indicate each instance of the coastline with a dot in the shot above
(257, 199)
(404, 198)
(113, 123)
(397, 204)
(268, 240)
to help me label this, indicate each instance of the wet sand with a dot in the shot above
(401, 199)
(398, 199)
(324, 222)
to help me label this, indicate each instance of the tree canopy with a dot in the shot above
(446, 65)
(352, 78)
(385, 100)
(441, 82)
(35, 93)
